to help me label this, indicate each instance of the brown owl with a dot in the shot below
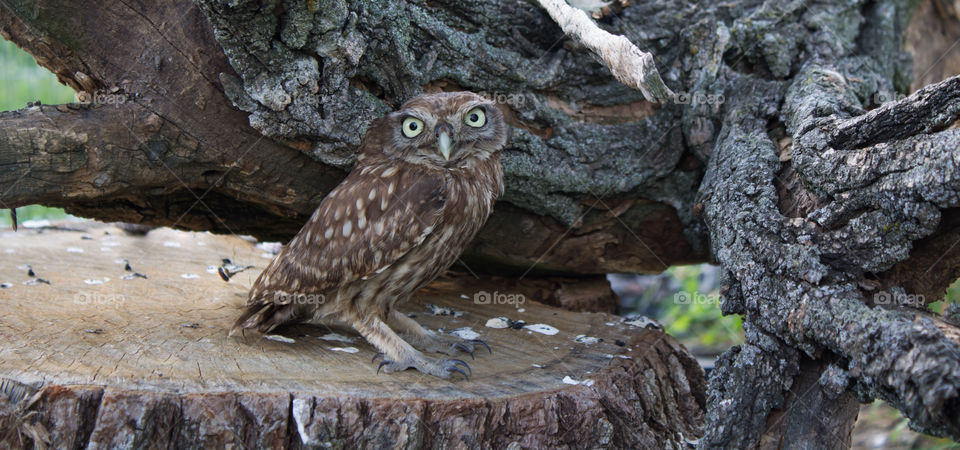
(424, 183)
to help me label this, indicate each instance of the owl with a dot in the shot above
(425, 181)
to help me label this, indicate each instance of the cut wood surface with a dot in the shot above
(120, 359)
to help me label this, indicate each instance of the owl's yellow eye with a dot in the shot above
(412, 127)
(475, 118)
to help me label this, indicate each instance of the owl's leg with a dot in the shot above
(426, 340)
(399, 355)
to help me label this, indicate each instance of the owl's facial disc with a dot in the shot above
(445, 130)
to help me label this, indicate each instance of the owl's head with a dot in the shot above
(444, 129)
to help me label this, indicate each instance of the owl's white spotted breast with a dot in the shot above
(470, 196)
(382, 234)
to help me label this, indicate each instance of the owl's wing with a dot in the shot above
(368, 222)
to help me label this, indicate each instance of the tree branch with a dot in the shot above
(142, 168)
(628, 64)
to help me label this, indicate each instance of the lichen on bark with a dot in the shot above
(806, 196)
(321, 73)
(877, 185)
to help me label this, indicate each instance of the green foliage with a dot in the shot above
(33, 212)
(881, 426)
(22, 81)
(953, 296)
(694, 317)
(692, 313)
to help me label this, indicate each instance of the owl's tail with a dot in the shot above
(263, 317)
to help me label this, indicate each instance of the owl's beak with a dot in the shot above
(444, 141)
(445, 145)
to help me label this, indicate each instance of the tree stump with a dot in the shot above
(116, 340)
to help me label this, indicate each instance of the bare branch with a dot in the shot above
(628, 64)
(929, 109)
(126, 163)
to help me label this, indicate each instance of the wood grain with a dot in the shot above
(128, 360)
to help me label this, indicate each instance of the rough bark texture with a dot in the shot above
(829, 199)
(871, 183)
(163, 144)
(146, 362)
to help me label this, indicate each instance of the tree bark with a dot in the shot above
(163, 144)
(791, 156)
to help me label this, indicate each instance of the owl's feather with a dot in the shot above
(426, 179)
(363, 226)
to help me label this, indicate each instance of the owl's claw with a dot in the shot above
(449, 345)
(442, 368)
(454, 346)
(465, 348)
(382, 363)
(480, 341)
(468, 347)
(378, 355)
(456, 363)
(460, 371)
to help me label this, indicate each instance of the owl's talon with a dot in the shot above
(465, 348)
(442, 368)
(480, 341)
(460, 371)
(382, 363)
(378, 355)
(458, 362)
(453, 365)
